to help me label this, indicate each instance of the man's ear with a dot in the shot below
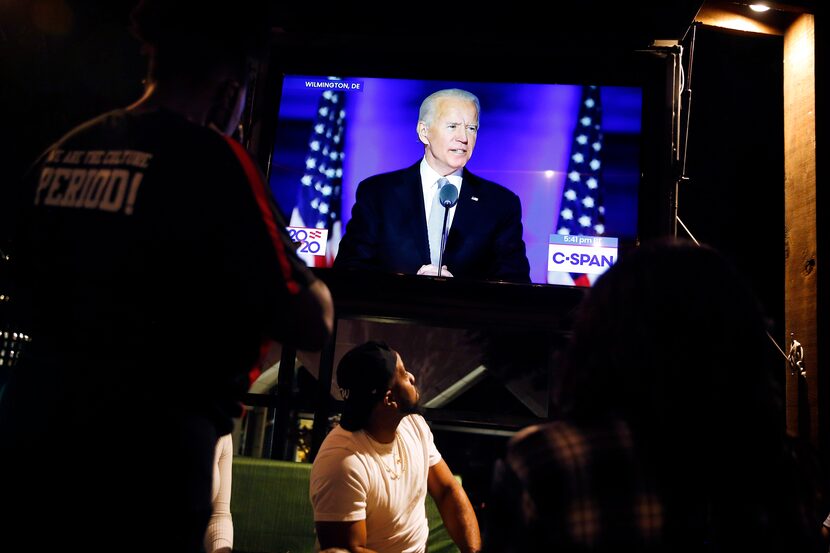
(422, 133)
(389, 399)
(224, 106)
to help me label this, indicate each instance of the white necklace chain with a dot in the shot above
(399, 459)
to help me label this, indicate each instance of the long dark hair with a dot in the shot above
(672, 340)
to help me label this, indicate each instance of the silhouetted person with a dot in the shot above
(671, 430)
(151, 263)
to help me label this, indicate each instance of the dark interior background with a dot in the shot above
(66, 61)
(734, 198)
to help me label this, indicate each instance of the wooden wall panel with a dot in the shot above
(801, 255)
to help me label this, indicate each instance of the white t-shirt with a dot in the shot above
(349, 481)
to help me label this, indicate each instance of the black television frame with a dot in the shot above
(656, 71)
(501, 305)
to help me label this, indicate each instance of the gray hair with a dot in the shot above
(427, 111)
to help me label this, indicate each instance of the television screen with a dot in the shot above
(571, 153)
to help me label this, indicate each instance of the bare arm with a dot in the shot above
(219, 534)
(455, 508)
(350, 535)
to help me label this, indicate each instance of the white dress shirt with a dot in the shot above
(429, 184)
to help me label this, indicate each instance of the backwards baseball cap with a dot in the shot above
(364, 375)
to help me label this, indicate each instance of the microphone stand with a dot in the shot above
(443, 237)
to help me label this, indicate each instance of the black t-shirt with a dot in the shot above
(151, 262)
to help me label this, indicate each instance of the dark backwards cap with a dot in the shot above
(363, 376)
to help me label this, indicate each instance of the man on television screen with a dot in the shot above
(436, 213)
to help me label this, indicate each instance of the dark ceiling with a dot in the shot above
(555, 25)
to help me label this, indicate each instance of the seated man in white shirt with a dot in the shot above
(370, 477)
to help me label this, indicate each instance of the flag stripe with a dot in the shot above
(582, 211)
(319, 196)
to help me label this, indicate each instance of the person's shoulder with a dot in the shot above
(340, 442)
(548, 445)
(225, 442)
(340, 451)
(575, 441)
(160, 128)
(190, 134)
(203, 150)
(487, 186)
(338, 434)
(415, 419)
(389, 178)
(529, 434)
(105, 127)
(105, 122)
(417, 425)
(546, 435)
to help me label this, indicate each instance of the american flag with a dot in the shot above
(581, 210)
(318, 201)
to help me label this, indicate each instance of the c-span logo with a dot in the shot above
(581, 254)
(312, 240)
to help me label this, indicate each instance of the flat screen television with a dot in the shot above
(576, 150)
(316, 150)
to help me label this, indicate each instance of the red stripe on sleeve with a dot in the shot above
(258, 189)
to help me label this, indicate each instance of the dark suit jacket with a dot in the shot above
(388, 229)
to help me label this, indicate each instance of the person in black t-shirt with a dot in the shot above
(151, 262)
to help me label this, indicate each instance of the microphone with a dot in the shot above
(448, 197)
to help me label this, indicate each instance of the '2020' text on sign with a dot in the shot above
(311, 240)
